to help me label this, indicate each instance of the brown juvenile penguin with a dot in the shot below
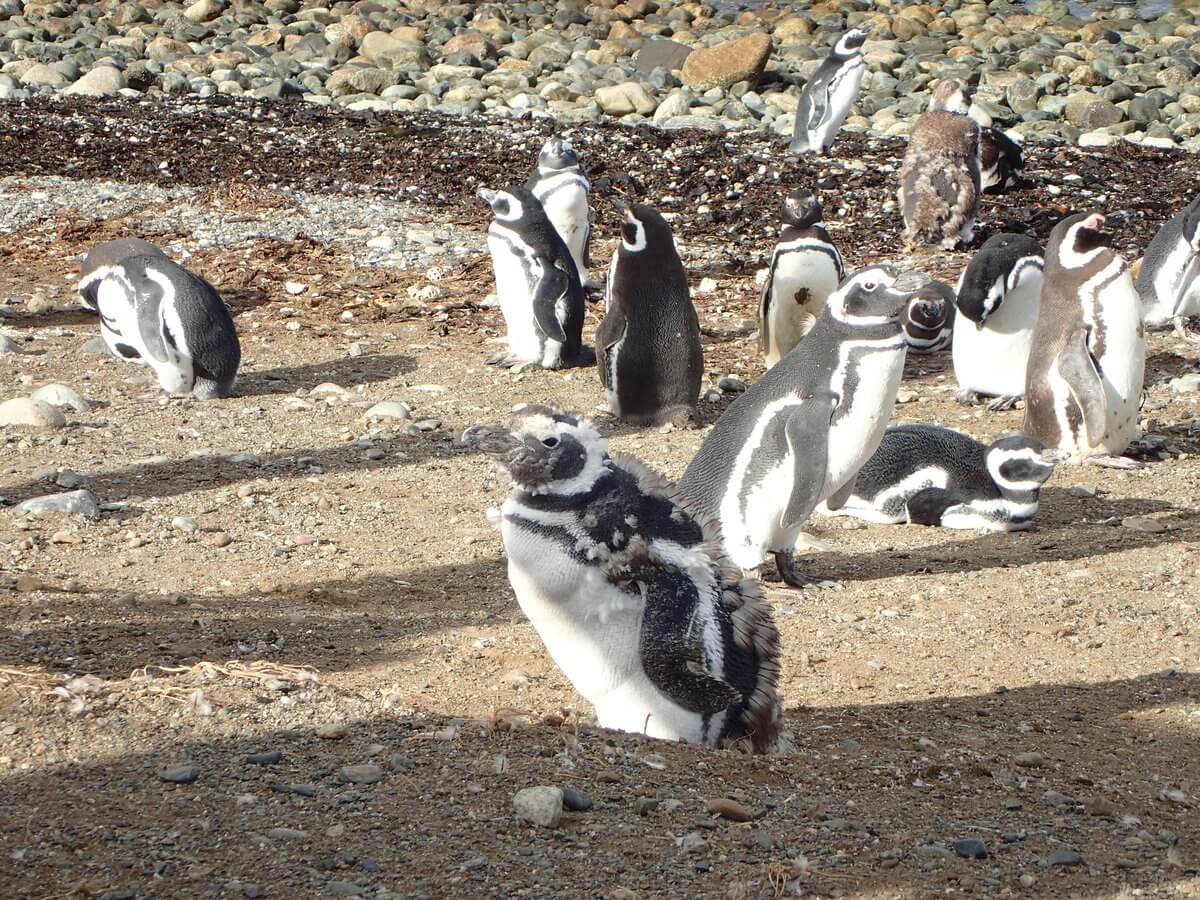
(940, 177)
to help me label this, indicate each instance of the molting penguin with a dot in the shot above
(630, 591)
(560, 186)
(940, 176)
(1167, 281)
(802, 431)
(929, 327)
(805, 269)
(157, 313)
(998, 298)
(537, 284)
(1083, 384)
(829, 94)
(648, 346)
(926, 475)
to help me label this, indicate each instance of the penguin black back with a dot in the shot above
(995, 259)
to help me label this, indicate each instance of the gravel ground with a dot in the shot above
(278, 574)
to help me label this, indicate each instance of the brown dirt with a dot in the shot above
(912, 694)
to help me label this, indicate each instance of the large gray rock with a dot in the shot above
(1022, 95)
(622, 99)
(380, 47)
(72, 503)
(102, 81)
(1091, 111)
(659, 52)
(726, 64)
(25, 412)
(539, 805)
(42, 75)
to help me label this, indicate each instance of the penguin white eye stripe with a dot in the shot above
(639, 237)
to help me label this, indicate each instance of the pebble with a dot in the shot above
(389, 409)
(1027, 880)
(179, 774)
(1143, 524)
(730, 384)
(1054, 798)
(1065, 858)
(183, 523)
(303, 790)
(76, 503)
(8, 345)
(61, 396)
(269, 758)
(361, 774)
(331, 731)
(575, 801)
(25, 412)
(1085, 491)
(728, 809)
(344, 889)
(540, 805)
(1185, 384)
(220, 539)
(1029, 760)
(970, 848)
(287, 834)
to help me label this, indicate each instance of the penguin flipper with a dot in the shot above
(812, 417)
(552, 287)
(150, 322)
(1079, 371)
(671, 640)
(611, 330)
(927, 506)
(764, 306)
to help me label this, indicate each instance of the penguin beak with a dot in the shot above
(487, 439)
(622, 208)
(485, 195)
(1094, 222)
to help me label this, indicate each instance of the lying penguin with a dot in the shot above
(802, 431)
(926, 475)
(630, 590)
(157, 313)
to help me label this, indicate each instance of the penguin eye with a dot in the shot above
(869, 286)
(551, 441)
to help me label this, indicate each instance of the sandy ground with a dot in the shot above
(344, 602)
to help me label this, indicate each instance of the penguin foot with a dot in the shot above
(1114, 462)
(1188, 328)
(785, 562)
(967, 397)
(1003, 404)
(503, 360)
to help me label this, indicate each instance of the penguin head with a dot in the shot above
(1018, 462)
(801, 209)
(1001, 263)
(883, 294)
(1080, 241)
(512, 205)
(642, 227)
(557, 153)
(545, 450)
(1191, 223)
(951, 95)
(930, 317)
(851, 41)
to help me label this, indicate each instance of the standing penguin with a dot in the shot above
(648, 346)
(1083, 385)
(805, 269)
(926, 475)
(998, 298)
(940, 176)
(560, 186)
(537, 284)
(1167, 281)
(829, 94)
(799, 434)
(629, 589)
(157, 313)
(930, 326)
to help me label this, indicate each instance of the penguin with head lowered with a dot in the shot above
(561, 187)
(1083, 384)
(927, 475)
(829, 94)
(805, 269)
(929, 328)
(940, 179)
(630, 591)
(648, 348)
(156, 313)
(999, 294)
(802, 431)
(537, 283)
(1168, 279)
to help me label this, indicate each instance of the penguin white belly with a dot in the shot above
(862, 418)
(803, 281)
(844, 94)
(1169, 283)
(1123, 364)
(990, 515)
(749, 535)
(567, 208)
(118, 321)
(516, 301)
(992, 360)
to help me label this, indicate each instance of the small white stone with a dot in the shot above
(25, 412)
(61, 396)
(539, 805)
(295, 287)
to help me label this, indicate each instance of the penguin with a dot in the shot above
(1167, 280)
(940, 175)
(157, 313)
(561, 187)
(537, 284)
(629, 589)
(648, 345)
(805, 269)
(1083, 384)
(799, 434)
(98, 260)
(829, 94)
(928, 475)
(999, 293)
(1000, 159)
(929, 328)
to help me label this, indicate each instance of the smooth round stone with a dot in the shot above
(61, 396)
(78, 503)
(25, 412)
